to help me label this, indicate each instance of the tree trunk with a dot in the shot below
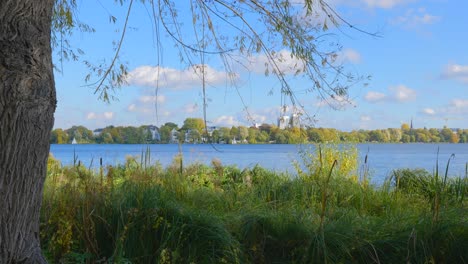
(27, 105)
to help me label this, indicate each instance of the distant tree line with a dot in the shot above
(193, 131)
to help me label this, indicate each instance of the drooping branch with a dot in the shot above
(116, 79)
(246, 29)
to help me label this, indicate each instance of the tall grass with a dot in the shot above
(139, 212)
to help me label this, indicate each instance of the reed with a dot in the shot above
(139, 212)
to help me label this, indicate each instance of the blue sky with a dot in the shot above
(419, 69)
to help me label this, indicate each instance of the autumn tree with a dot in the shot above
(81, 134)
(280, 137)
(215, 136)
(395, 134)
(234, 132)
(193, 136)
(194, 124)
(262, 137)
(225, 134)
(405, 127)
(30, 28)
(243, 133)
(454, 138)
(434, 135)
(463, 136)
(59, 136)
(376, 136)
(166, 130)
(106, 138)
(296, 135)
(446, 134)
(252, 138)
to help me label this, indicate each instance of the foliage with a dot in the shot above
(196, 124)
(58, 136)
(320, 162)
(301, 33)
(141, 213)
(80, 133)
(263, 134)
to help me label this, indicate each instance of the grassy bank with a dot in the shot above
(326, 213)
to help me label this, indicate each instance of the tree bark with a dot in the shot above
(27, 105)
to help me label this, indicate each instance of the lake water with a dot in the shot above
(382, 158)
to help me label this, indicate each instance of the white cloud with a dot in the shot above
(427, 19)
(350, 55)
(386, 4)
(226, 121)
(399, 93)
(345, 56)
(284, 60)
(145, 104)
(95, 116)
(415, 17)
(457, 109)
(145, 109)
(374, 96)
(152, 99)
(365, 118)
(429, 111)
(402, 93)
(316, 17)
(149, 76)
(456, 72)
(190, 108)
(108, 115)
(341, 102)
(257, 118)
(91, 115)
(459, 103)
(132, 107)
(336, 102)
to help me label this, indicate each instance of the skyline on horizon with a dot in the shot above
(179, 125)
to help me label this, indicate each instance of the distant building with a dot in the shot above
(289, 121)
(283, 122)
(187, 136)
(97, 132)
(211, 129)
(174, 136)
(154, 130)
(295, 120)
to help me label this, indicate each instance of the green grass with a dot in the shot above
(142, 213)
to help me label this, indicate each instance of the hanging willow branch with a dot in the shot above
(237, 31)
